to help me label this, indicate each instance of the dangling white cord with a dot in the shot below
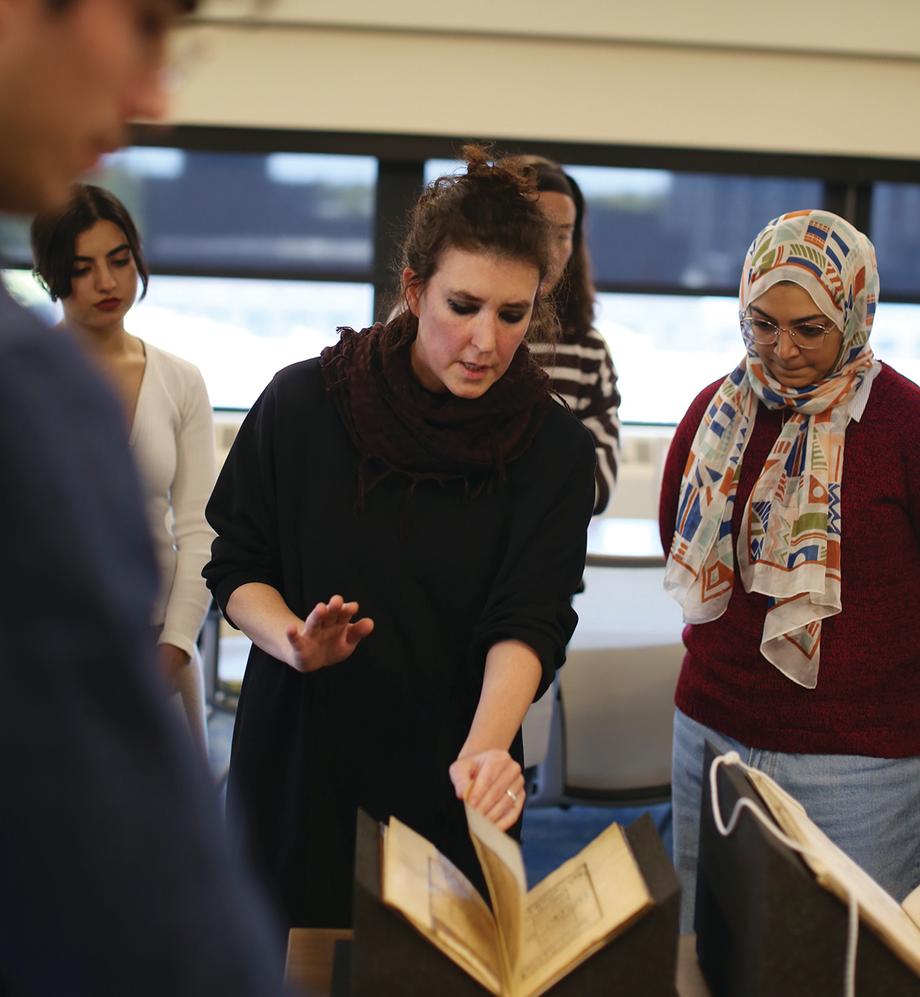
(744, 803)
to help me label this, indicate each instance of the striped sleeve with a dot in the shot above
(584, 376)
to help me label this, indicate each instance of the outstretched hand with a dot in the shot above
(327, 636)
(492, 783)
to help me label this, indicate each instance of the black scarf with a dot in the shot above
(398, 426)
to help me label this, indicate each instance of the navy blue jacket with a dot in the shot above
(115, 872)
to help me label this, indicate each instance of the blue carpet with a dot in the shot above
(551, 835)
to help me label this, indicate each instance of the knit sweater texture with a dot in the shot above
(867, 701)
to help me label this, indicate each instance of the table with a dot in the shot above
(624, 543)
(309, 962)
(309, 958)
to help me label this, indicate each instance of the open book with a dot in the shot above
(534, 938)
(898, 925)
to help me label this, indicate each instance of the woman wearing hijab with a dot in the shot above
(422, 469)
(790, 507)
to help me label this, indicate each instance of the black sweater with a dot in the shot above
(443, 575)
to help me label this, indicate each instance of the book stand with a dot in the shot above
(389, 958)
(764, 924)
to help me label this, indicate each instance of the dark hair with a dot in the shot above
(573, 296)
(491, 208)
(54, 236)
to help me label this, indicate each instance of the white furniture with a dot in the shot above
(624, 543)
(609, 736)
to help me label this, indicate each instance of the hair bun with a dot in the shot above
(514, 173)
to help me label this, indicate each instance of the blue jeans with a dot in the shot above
(869, 807)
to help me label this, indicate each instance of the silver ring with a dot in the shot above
(512, 795)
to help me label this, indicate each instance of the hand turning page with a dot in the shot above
(529, 940)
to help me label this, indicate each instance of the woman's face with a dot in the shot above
(559, 211)
(790, 306)
(472, 315)
(103, 283)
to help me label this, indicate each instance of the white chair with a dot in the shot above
(610, 735)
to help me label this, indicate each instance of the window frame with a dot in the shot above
(847, 184)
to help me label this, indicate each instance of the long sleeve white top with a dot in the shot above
(172, 438)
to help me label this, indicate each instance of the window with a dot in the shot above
(258, 255)
(673, 230)
(667, 348)
(894, 335)
(687, 234)
(895, 230)
(237, 331)
(680, 230)
(275, 214)
(231, 239)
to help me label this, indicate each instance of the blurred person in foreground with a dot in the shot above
(115, 875)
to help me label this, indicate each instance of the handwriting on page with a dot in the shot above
(558, 917)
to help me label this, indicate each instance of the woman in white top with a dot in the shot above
(89, 256)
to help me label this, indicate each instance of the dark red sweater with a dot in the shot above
(867, 701)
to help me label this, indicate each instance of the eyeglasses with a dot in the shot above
(763, 332)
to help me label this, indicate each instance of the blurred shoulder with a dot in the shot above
(44, 370)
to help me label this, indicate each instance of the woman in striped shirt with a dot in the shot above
(579, 363)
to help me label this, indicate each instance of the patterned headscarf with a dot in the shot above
(789, 544)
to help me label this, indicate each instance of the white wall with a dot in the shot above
(810, 77)
(844, 26)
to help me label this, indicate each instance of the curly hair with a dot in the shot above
(491, 208)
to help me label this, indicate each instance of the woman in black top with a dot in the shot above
(421, 469)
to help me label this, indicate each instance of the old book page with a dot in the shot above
(502, 865)
(911, 905)
(839, 874)
(441, 903)
(577, 909)
(567, 917)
